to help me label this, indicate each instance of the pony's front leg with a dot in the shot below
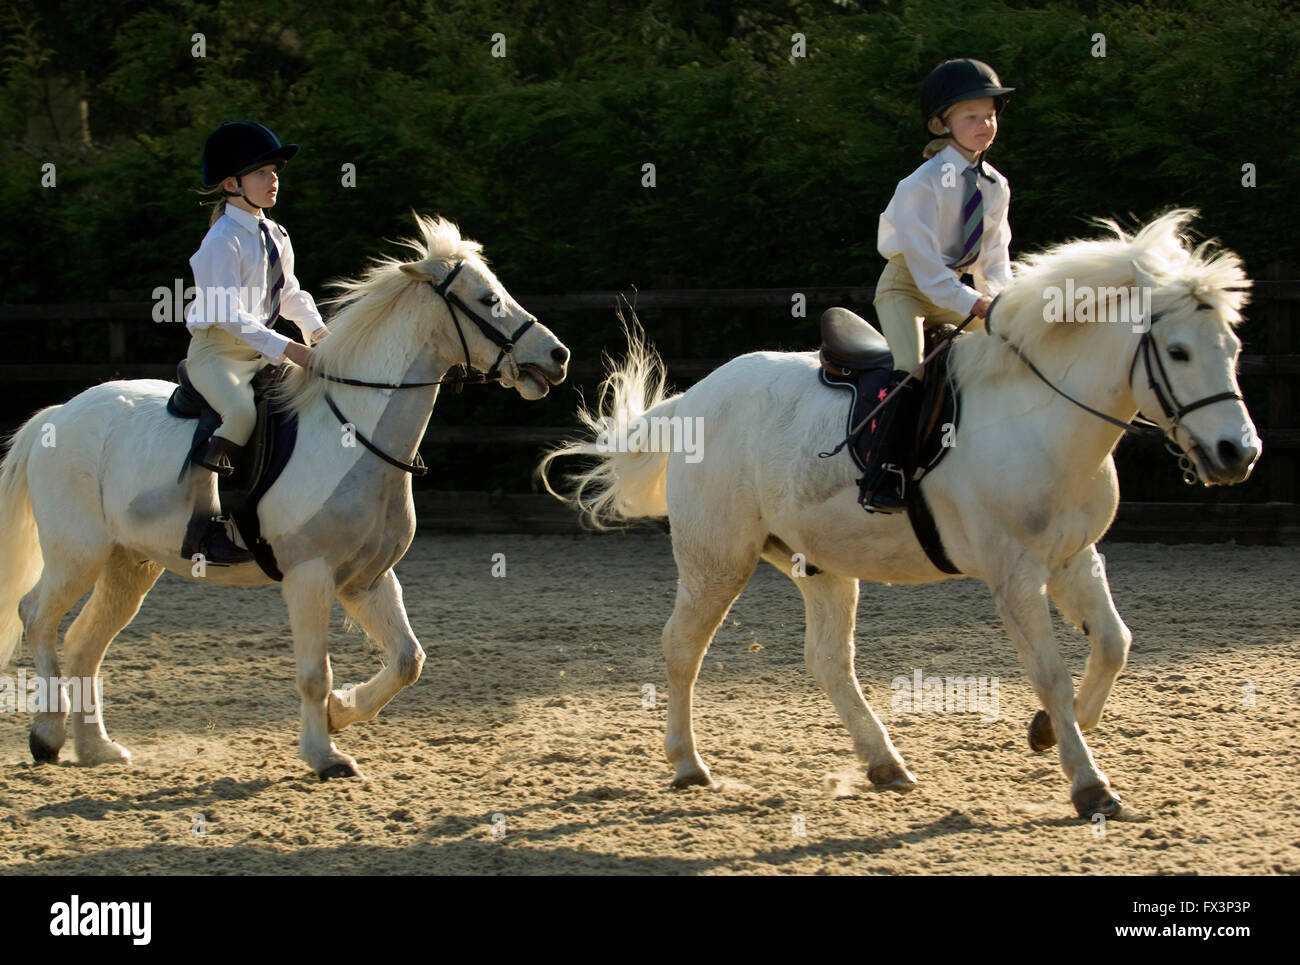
(309, 593)
(1082, 594)
(381, 613)
(1021, 599)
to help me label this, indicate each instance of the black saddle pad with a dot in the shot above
(936, 428)
(263, 459)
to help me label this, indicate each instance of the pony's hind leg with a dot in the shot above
(830, 606)
(308, 591)
(1082, 594)
(65, 578)
(122, 585)
(705, 592)
(381, 613)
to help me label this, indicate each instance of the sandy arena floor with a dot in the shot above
(530, 715)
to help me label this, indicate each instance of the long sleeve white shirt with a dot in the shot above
(923, 223)
(230, 271)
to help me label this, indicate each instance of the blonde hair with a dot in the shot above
(217, 204)
(939, 143)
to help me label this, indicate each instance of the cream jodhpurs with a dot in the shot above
(222, 368)
(902, 309)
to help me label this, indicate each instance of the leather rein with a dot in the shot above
(1163, 391)
(493, 374)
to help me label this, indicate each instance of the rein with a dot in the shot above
(493, 374)
(1173, 409)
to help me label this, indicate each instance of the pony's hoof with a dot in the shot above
(693, 779)
(110, 753)
(341, 769)
(42, 752)
(1096, 800)
(1041, 735)
(891, 776)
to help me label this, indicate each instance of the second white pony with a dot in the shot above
(1020, 501)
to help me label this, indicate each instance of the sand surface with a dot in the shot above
(526, 748)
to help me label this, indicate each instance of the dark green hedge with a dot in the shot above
(771, 170)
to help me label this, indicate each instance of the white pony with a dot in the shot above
(1020, 501)
(88, 497)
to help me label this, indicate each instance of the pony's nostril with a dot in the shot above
(560, 355)
(1229, 454)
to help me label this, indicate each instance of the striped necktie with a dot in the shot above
(972, 213)
(274, 275)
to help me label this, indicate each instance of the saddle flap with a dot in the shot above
(850, 342)
(931, 437)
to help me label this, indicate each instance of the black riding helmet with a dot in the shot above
(237, 147)
(954, 81)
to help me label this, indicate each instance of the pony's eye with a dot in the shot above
(1179, 354)
(489, 300)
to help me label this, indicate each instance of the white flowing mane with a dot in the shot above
(370, 322)
(1161, 249)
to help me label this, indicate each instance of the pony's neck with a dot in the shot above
(395, 420)
(396, 348)
(1097, 377)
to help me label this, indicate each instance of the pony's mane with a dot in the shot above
(366, 311)
(1162, 249)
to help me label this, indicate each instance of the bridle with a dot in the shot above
(504, 343)
(1162, 389)
(493, 374)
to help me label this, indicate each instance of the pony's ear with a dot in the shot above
(416, 270)
(1144, 278)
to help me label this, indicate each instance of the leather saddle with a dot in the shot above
(855, 357)
(261, 462)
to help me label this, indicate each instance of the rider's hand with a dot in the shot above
(319, 335)
(981, 306)
(299, 354)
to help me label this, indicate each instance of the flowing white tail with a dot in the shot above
(20, 563)
(623, 485)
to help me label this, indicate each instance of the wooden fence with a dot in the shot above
(1276, 297)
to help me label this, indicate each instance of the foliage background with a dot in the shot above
(771, 170)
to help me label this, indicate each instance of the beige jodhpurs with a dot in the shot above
(902, 308)
(222, 368)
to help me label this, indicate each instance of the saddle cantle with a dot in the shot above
(849, 344)
(856, 357)
(264, 457)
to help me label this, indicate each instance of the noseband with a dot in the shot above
(1161, 388)
(493, 374)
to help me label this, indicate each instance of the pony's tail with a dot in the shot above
(627, 482)
(21, 562)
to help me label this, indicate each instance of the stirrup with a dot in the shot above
(214, 544)
(889, 495)
(222, 467)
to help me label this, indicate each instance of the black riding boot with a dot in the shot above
(206, 533)
(885, 481)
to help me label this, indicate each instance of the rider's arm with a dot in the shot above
(223, 297)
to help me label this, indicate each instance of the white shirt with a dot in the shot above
(230, 270)
(924, 224)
